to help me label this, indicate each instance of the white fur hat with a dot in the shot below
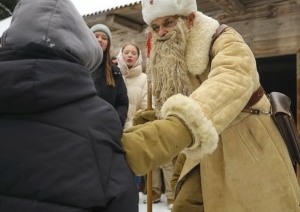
(152, 9)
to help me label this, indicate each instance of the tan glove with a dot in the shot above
(134, 128)
(150, 145)
(143, 116)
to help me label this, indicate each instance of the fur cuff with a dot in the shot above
(205, 134)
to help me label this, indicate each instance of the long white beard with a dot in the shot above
(167, 68)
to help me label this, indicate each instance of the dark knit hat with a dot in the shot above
(102, 28)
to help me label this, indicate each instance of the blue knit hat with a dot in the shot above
(102, 28)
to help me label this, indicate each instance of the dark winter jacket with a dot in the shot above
(60, 143)
(116, 96)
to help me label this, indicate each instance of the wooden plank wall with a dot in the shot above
(273, 34)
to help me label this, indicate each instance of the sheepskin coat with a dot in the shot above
(244, 163)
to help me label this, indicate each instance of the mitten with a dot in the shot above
(143, 116)
(134, 128)
(155, 143)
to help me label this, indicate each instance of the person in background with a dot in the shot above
(60, 148)
(108, 79)
(130, 64)
(206, 94)
(114, 60)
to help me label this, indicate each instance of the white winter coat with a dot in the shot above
(136, 83)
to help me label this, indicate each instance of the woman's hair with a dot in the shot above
(108, 70)
(132, 44)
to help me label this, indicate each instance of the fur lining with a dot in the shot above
(205, 134)
(199, 41)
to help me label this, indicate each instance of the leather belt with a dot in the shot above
(256, 96)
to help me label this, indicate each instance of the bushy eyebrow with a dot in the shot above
(165, 20)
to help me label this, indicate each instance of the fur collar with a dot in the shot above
(133, 72)
(199, 41)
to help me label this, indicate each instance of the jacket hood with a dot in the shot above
(57, 24)
(37, 78)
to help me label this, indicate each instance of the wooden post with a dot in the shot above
(298, 103)
(149, 107)
(149, 175)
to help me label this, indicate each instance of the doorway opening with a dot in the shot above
(279, 74)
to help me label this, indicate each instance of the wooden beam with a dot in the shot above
(94, 19)
(230, 6)
(298, 89)
(262, 11)
(265, 11)
(298, 103)
(269, 37)
(117, 21)
(132, 9)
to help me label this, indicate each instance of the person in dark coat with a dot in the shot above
(60, 145)
(107, 77)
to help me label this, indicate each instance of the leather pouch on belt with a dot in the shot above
(285, 122)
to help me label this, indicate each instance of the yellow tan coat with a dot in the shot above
(244, 164)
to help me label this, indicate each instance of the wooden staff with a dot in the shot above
(149, 175)
(149, 107)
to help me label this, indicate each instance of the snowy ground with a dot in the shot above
(157, 207)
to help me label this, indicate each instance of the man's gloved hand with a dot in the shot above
(134, 128)
(150, 145)
(143, 116)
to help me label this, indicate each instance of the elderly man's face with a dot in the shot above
(166, 24)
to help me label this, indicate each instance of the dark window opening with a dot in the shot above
(279, 74)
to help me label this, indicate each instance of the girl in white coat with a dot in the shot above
(130, 64)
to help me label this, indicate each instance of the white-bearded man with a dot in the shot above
(231, 160)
